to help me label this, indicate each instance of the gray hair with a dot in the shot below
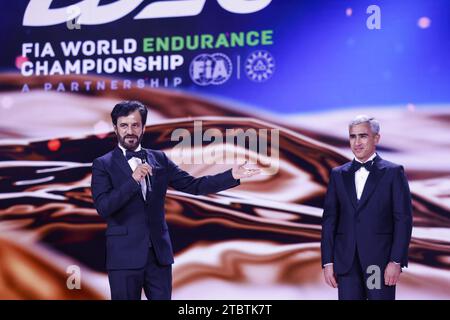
(362, 118)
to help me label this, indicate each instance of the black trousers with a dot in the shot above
(353, 284)
(155, 279)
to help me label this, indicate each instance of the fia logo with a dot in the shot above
(208, 69)
(260, 66)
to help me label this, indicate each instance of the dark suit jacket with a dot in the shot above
(133, 222)
(379, 225)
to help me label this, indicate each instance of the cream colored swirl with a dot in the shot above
(259, 240)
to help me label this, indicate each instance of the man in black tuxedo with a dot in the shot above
(129, 187)
(367, 220)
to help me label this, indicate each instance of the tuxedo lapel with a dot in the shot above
(121, 161)
(152, 162)
(349, 180)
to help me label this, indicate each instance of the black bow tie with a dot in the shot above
(358, 165)
(132, 154)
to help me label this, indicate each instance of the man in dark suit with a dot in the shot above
(367, 220)
(129, 187)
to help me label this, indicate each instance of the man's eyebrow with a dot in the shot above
(358, 134)
(124, 123)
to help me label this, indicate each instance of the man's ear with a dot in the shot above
(377, 137)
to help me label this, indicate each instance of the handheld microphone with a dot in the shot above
(143, 157)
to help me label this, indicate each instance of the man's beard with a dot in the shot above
(130, 144)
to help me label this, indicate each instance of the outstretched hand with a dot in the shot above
(242, 171)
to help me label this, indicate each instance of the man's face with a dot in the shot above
(363, 141)
(129, 130)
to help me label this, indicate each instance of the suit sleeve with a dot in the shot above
(107, 199)
(183, 181)
(329, 221)
(402, 211)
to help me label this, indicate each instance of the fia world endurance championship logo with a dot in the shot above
(260, 66)
(208, 69)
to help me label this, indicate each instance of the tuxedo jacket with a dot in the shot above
(134, 223)
(378, 226)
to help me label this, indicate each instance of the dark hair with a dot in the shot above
(124, 108)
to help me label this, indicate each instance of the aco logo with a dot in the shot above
(208, 69)
(260, 66)
(89, 12)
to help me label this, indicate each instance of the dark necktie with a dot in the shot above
(358, 165)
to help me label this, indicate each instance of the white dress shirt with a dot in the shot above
(134, 162)
(361, 177)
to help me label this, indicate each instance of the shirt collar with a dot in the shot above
(370, 158)
(124, 150)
